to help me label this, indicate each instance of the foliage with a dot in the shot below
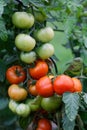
(68, 18)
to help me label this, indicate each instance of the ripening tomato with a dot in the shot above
(32, 90)
(52, 103)
(39, 70)
(44, 124)
(62, 84)
(17, 93)
(77, 85)
(15, 74)
(44, 87)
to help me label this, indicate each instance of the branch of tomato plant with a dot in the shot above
(80, 122)
(56, 28)
(58, 118)
(21, 3)
(55, 66)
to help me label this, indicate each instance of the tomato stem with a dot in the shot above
(55, 66)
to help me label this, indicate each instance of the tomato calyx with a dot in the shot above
(18, 72)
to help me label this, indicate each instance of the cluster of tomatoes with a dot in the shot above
(34, 80)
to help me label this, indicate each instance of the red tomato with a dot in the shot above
(39, 70)
(62, 84)
(15, 74)
(44, 87)
(44, 124)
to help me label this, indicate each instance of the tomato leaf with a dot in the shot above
(85, 98)
(2, 4)
(3, 31)
(85, 41)
(67, 124)
(72, 102)
(3, 102)
(2, 70)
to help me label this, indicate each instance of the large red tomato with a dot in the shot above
(62, 84)
(15, 74)
(44, 87)
(39, 70)
(44, 124)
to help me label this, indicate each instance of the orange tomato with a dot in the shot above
(77, 85)
(17, 93)
(32, 90)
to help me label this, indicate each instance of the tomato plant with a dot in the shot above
(44, 87)
(39, 70)
(15, 74)
(17, 93)
(54, 32)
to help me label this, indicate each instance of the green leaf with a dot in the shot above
(2, 4)
(69, 25)
(3, 103)
(84, 56)
(72, 102)
(85, 41)
(3, 31)
(2, 70)
(85, 98)
(67, 124)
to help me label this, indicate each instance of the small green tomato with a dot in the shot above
(13, 105)
(28, 57)
(23, 110)
(24, 42)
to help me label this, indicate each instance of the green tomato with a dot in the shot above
(13, 105)
(23, 20)
(40, 17)
(50, 104)
(24, 42)
(45, 51)
(45, 34)
(28, 57)
(34, 104)
(23, 110)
